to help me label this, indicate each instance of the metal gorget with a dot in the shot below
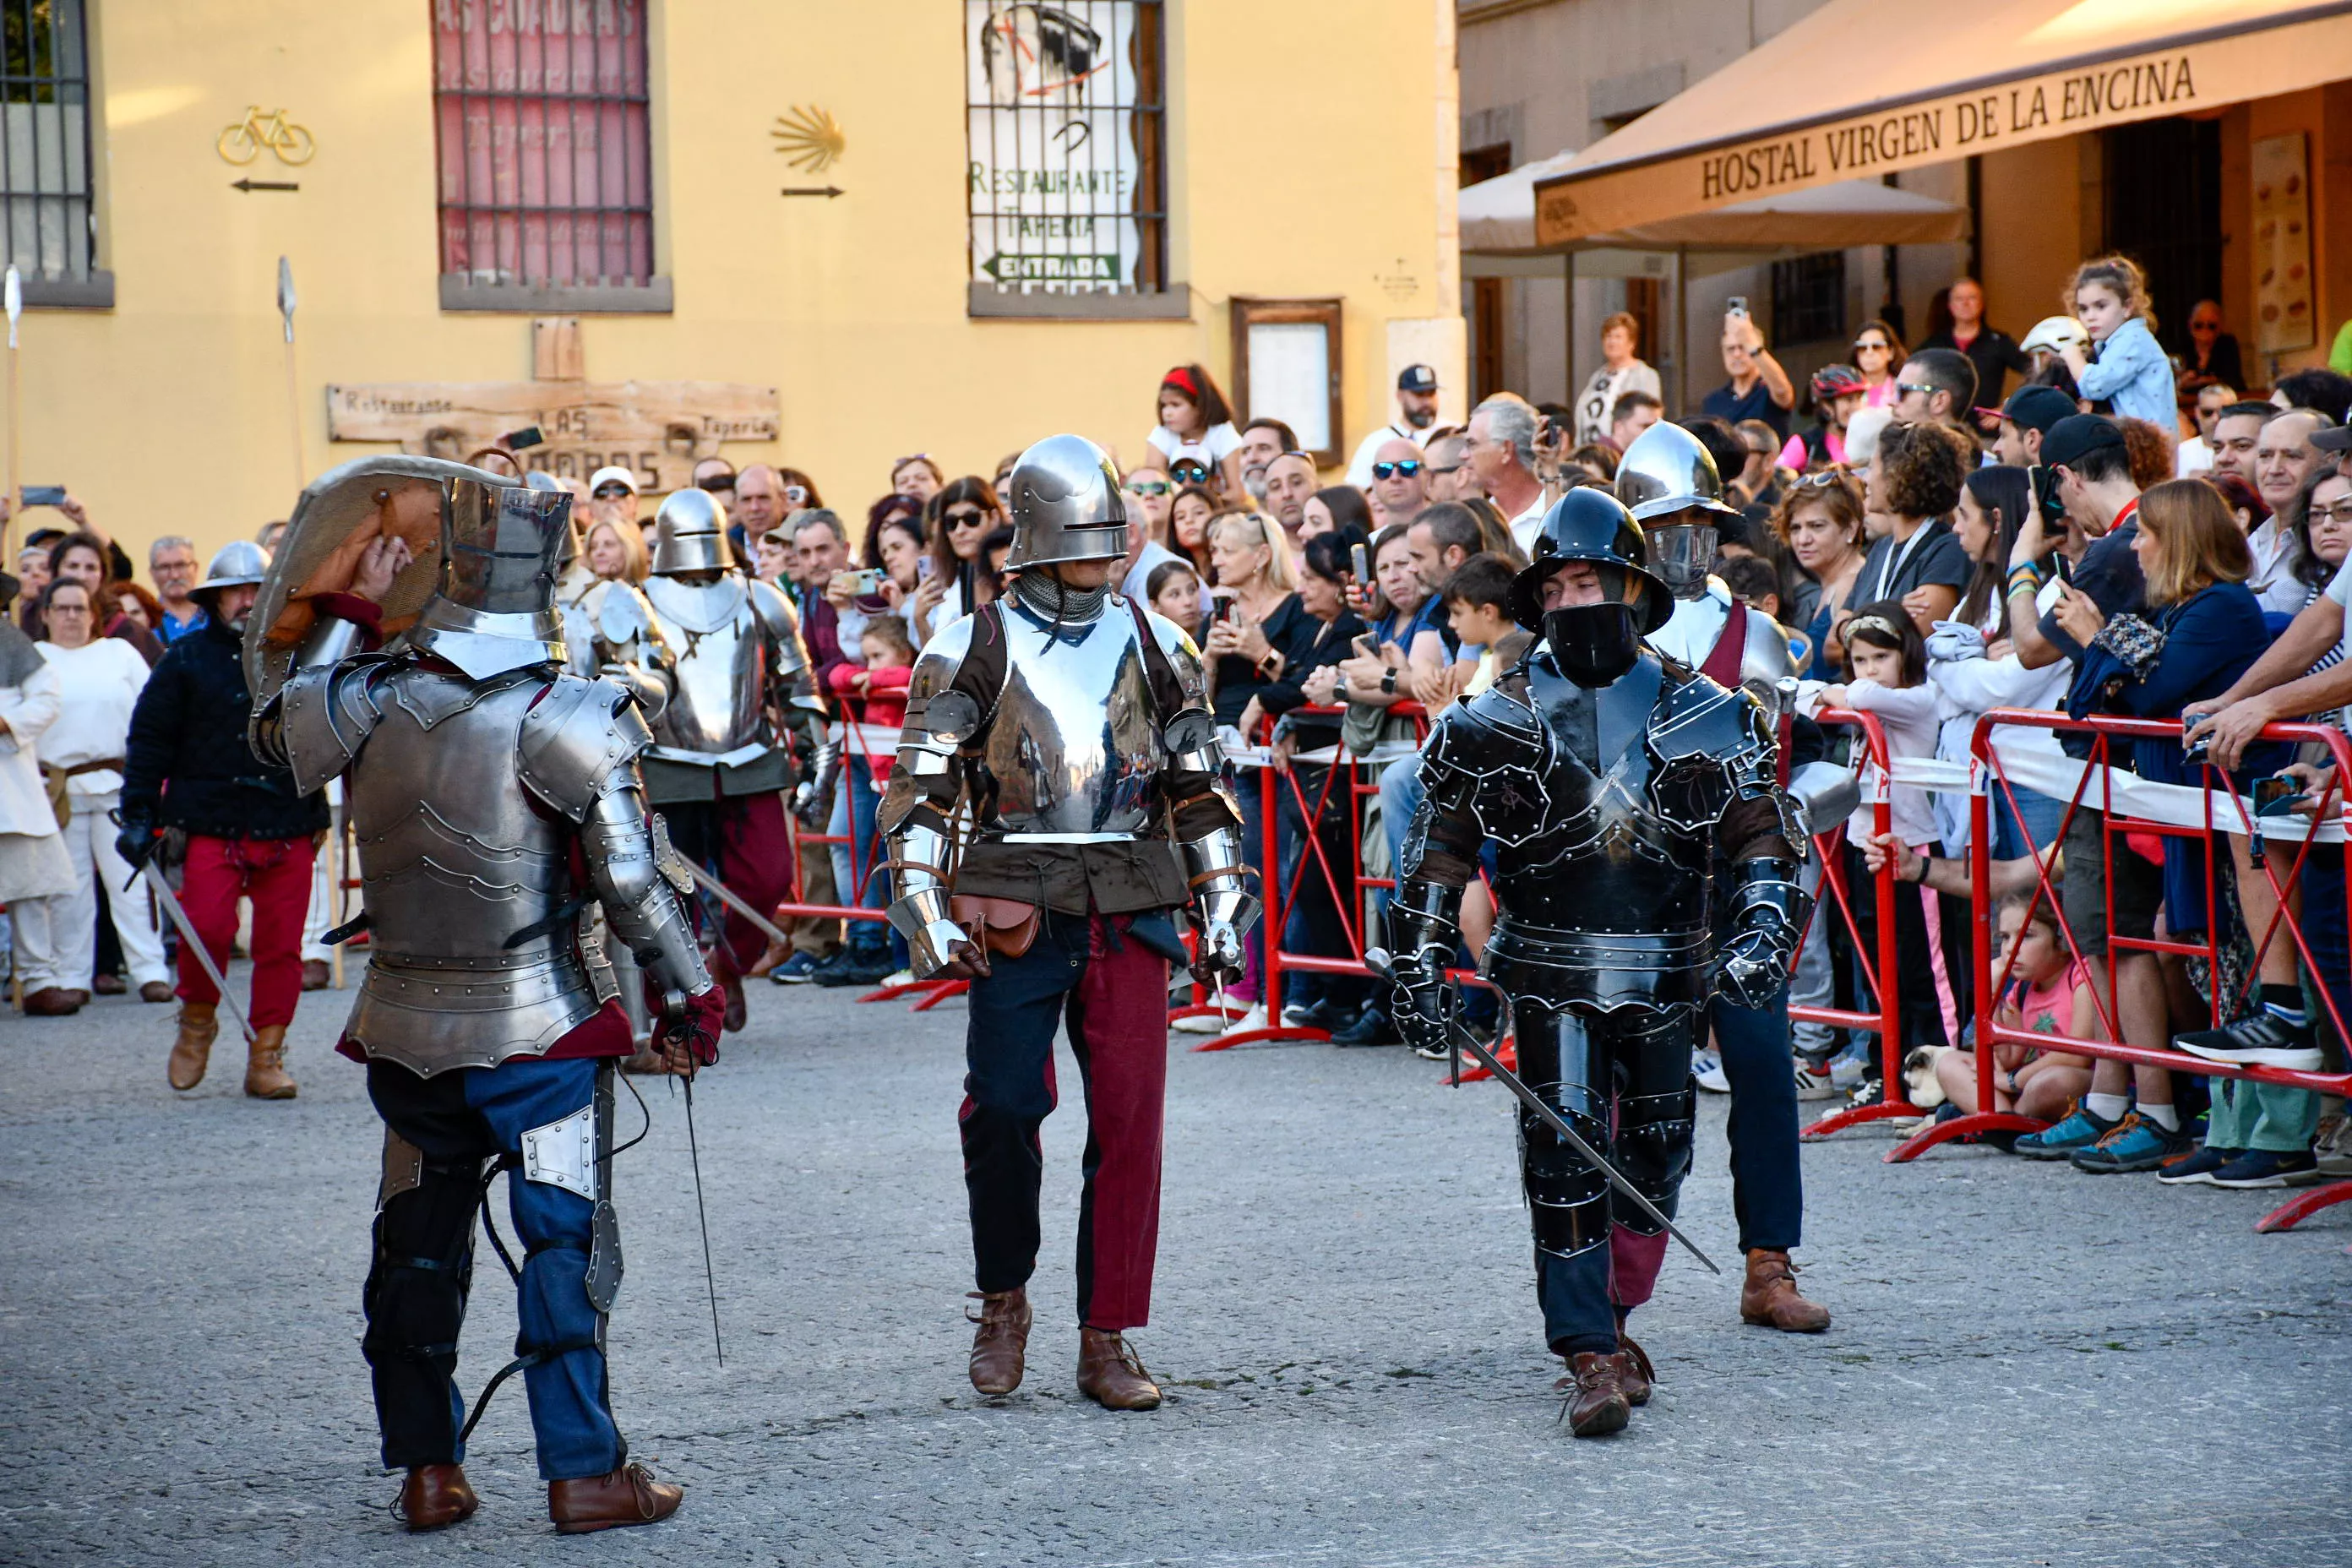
(725, 659)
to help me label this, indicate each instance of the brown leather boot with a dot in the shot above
(1597, 1402)
(265, 1064)
(1768, 1297)
(435, 1497)
(1000, 1349)
(1111, 1374)
(1637, 1375)
(194, 1048)
(628, 1496)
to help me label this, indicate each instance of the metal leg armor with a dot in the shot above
(1657, 1112)
(1566, 1062)
(414, 1302)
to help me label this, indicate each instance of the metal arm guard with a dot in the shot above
(1424, 929)
(331, 641)
(919, 914)
(1764, 924)
(1221, 905)
(624, 850)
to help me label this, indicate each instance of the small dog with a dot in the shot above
(1919, 1085)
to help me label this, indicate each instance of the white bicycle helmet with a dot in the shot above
(2056, 334)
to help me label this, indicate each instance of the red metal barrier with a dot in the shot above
(1989, 772)
(1880, 973)
(1346, 883)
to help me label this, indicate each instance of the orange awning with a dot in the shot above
(1862, 88)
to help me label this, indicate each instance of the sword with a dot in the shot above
(1377, 961)
(188, 937)
(727, 896)
(673, 1009)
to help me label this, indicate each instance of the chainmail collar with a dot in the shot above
(1047, 595)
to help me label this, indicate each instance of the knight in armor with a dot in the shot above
(494, 797)
(1625, 793)
(719, 767)
(1059, 793)
(1670, 483)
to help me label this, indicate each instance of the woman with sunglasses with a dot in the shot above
(1878, 354)
(1196, 422)
(958, 520)
(1150, 493)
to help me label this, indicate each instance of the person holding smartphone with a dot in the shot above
(1758, 387)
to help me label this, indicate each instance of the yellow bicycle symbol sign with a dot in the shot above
(243, 143)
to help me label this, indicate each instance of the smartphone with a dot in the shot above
(523, 440)
(869, 579)
(922, 568)
(1361, 559)
(2043, 484)
(1736, 306)
(2274, 797)
(45, 495)
(1362, 644)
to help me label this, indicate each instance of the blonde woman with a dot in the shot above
(615, 552)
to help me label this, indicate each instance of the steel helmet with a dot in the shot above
(1666, 470)
(1063, 495)
(1588, 523)
(238, 562)
(2056, 334)
(690, 535)
(494, 609)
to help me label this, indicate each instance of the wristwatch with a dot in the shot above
(1388, 681)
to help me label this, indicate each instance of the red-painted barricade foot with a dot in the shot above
(1976, 1123)
(1856, 1116)
(905, 988)
(941, 990)
(1507, 1052)
(2302, 1205)
(1259, 1035)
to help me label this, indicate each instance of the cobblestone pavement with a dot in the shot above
(2029, 1365)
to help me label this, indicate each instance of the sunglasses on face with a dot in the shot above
(1409, 467)
(611, 493)
(1903, 388)
(1869, 348)
(1189, 473)
(1450, 468)
(965, 519)
(797, 494)
(1148, 488)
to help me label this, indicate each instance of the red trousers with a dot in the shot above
(747, 838)
(275, 873)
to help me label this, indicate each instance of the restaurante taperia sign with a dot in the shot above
(1984, 116)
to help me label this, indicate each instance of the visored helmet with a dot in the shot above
(1590, 524)
(1667, 470)
(233, 565)
(541, 479)
(690, 535)
(494, 609)
(1064, 499)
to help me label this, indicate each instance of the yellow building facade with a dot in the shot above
(1303, 155)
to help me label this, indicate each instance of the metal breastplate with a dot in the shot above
(453, 861)
(722, 671)
(1073, 753)
(1601, 875)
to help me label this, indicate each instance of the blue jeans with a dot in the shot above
(1768, 1188)
(417, 1291)
(854, 802)
(2039, 814)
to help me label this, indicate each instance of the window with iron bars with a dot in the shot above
(45, 162)
(1808, 298)
(1065, 125)
(541, 117)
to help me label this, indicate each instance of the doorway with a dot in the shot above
(1487, 297)
(2164, 210)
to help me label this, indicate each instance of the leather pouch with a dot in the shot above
(1006, 926)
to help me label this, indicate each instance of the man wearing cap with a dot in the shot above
(2088, 464)
(1625, 795)
(2025, 419)
(612, 496)
(1417, 410)
(250, 834)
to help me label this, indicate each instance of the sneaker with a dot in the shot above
(1200, 1023)
(1709, 1068)
(1870, 1093)
(2079, 1129)
(1253, 1019)
(2265, 1038)
(2331, 1147)
(900, 977)
(797, 970)
(2198, 1168)
(1371, 1027)
(2268, 1168)
(2133, 1144)
(849, 967)
(1319, 1013)
(1815, 1082)
(1849, 1067)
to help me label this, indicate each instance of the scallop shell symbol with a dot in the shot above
(809, 138)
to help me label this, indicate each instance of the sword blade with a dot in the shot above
(1380, 964)
(192, 942)
(710, 1279)
(728, 896)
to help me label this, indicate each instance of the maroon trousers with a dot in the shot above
(1112, 991)
(746, 837)
(275, 873)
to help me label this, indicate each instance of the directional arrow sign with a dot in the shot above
(250, 185)
(828, 192)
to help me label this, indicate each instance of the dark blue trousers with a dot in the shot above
(415, 1296)
(1768, 1188)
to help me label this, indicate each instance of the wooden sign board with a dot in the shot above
(659, 428)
